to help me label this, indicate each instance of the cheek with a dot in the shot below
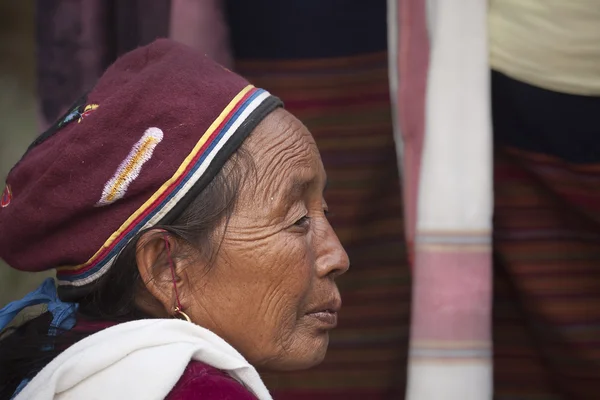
(268, 278)
(277, 279)
(289, 270)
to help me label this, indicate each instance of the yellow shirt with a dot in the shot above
(552, 44)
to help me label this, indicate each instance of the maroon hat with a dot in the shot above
(155, 130)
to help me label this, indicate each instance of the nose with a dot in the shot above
(332, 260)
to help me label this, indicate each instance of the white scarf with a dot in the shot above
(138, 360)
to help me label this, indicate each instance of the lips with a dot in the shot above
(332, 305)
(326, 313)
(326, 318)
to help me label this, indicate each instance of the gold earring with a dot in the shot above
(181, 314)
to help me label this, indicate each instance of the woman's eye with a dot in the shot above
(303, 222)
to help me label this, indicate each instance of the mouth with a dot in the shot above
(326, 314)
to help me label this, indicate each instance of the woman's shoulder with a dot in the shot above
(202, 381)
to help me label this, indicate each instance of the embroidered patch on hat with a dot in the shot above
(74, 112)
(69, 117)
(130, 168)
(6, 196)
(79, 111)
(87, 111)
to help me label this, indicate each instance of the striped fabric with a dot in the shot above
(547, 311)
(408, 43)
(448, 155)
(345, 103)
(546, 303)
(163, 201)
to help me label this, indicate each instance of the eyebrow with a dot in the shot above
(300, 185)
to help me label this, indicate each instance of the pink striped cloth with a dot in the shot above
(440, 83)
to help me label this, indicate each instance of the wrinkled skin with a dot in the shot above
(277, 262)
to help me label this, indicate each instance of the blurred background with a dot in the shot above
(18, 120)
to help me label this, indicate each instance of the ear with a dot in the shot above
(161, 272)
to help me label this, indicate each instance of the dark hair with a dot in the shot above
(27, 349)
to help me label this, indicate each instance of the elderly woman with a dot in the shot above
(183, 211)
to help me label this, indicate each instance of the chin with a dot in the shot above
(300, 364)
(305, 358)
(310, 354)
(315, 360)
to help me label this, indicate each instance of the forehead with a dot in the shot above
(284, 152)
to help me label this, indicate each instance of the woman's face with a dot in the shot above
(271, 291)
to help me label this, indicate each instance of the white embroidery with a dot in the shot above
(130, 168)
